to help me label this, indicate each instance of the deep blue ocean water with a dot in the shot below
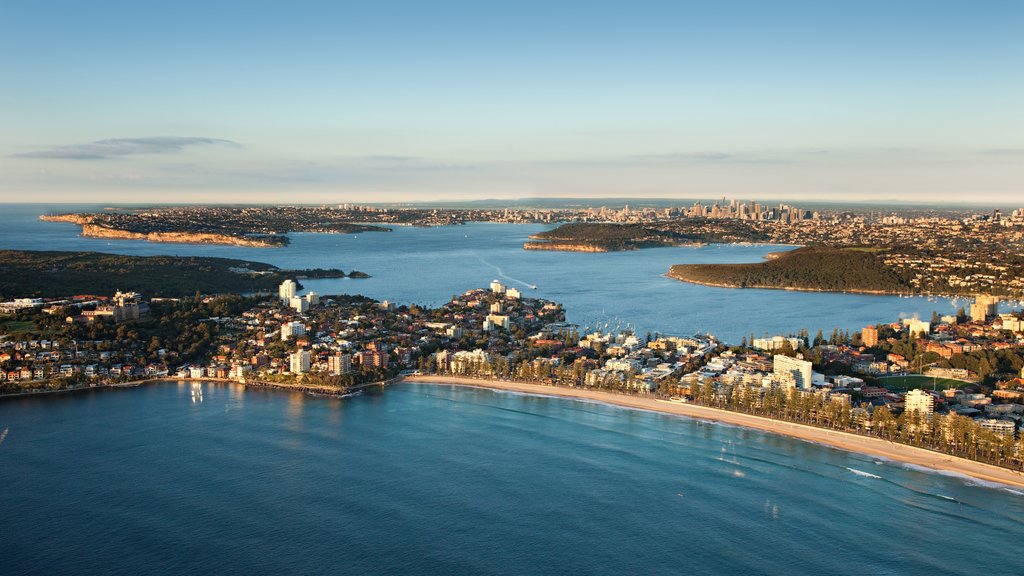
(424, 479)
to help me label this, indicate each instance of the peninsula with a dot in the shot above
(251, 227)
(811, 268)
(43, 274)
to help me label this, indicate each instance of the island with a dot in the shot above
(45, 274)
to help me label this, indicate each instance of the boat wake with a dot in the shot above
(502, 275)
(3, 435)
(863, 473)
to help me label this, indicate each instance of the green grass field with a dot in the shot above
(912, 381)
(18, 326)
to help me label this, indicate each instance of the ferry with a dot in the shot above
(533, 286)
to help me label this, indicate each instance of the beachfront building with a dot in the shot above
(497, 287)
(286, 291)
(776, 342)
(792, 372)
(919, 401)
(1000, 427)
(984, 307)
(299, 361)
(339, 364)
(917, 326)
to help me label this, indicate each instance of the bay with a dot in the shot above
(429, 265)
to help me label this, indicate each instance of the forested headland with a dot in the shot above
(44, 274)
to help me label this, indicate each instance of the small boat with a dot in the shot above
(533, 286)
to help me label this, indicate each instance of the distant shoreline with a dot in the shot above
(833, 438)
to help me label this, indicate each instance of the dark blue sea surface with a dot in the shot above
(431, 479)
(428, 265)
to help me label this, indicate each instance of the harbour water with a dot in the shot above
(428, 265)
(424, 479)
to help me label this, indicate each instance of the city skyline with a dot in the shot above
(401, 102)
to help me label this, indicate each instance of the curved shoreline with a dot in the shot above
(833, 438)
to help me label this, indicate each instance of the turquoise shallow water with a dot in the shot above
(429, 265)
(425, 479)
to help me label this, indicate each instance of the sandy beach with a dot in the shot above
(842, 440)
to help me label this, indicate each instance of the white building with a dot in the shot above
(299, 304)
(513, 294)
(496, 321)
(299, 361)
(919, 401)
(286, 291)
(916, 326)
(792, 370)
(290, 329)
(1001, 427)
(339, 364)
(776, 342)
(497, 287)
(313, 298)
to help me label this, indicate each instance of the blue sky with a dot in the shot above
(385, 100)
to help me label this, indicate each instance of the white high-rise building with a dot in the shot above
(793, 370)
(286, 291)
(919, 401)
(299, 361)
(313, 298)
(497, 287)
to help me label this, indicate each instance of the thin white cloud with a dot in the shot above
(103, 149)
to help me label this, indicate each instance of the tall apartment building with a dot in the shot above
(919, 401)
(984, 307)
(286, 291)
(792, 370)
(338, 364)
(299, 361)
(869, 336)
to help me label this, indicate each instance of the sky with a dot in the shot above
(387, 101)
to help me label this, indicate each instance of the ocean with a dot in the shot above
(432, 479)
